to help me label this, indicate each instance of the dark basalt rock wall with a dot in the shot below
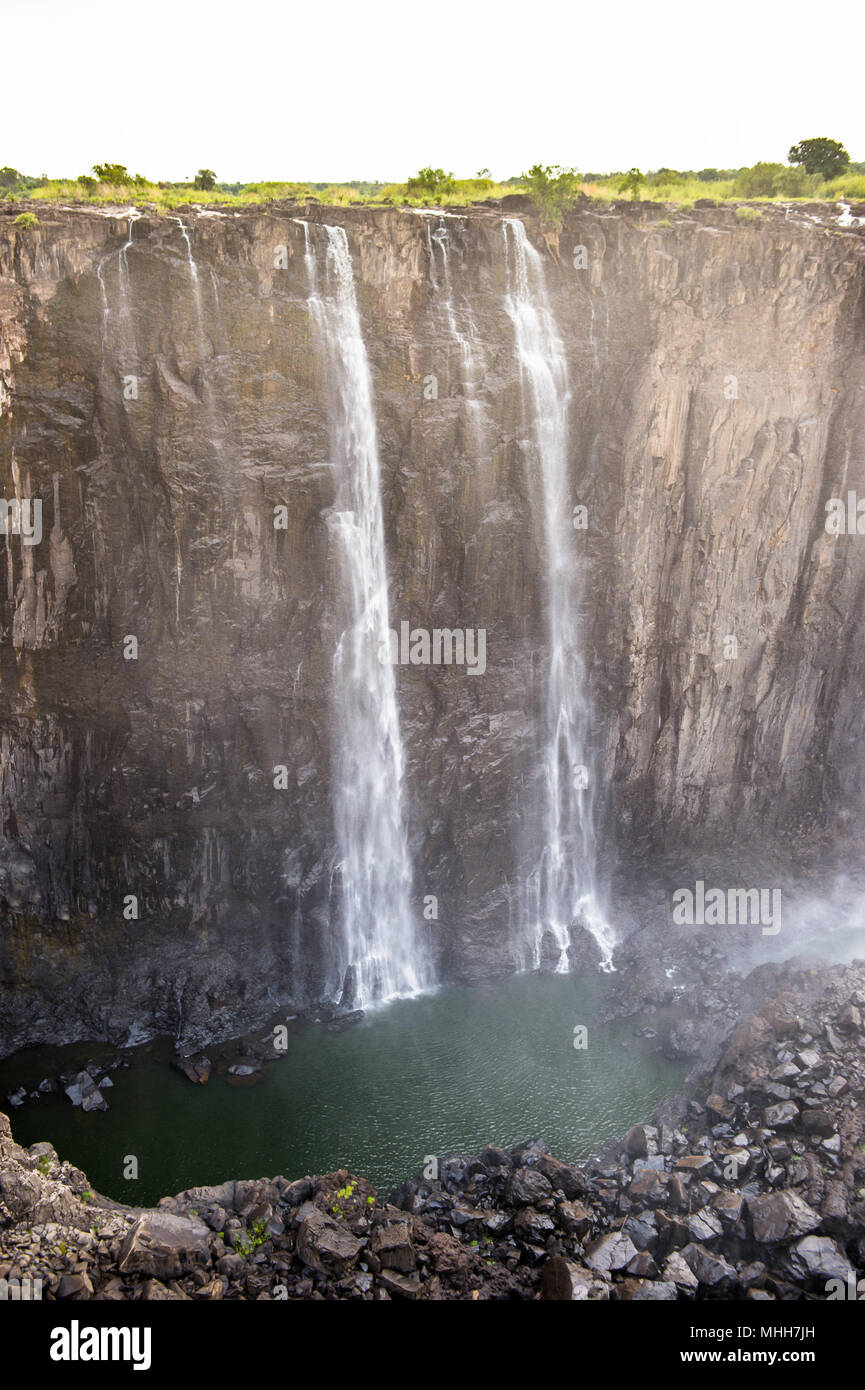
(718, 400)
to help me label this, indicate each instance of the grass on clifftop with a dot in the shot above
(663, 187)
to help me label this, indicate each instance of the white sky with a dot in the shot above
(374, 89)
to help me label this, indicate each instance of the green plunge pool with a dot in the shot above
(453, 1071)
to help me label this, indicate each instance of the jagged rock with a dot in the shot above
(679, 1272)
(86, 1093)
(561, 1176)
(327, 1245)
(533, 1225)
(164, 1246)
(704, 1225)
(820, 1258)
(401, 1284)
(722, 1109)
(780, 1216)
(527, 1186)
(782, 1116)
(645, 1290)
(710, 1269)
(563, 1281)
(574, 1218)
(392, 1245)
(610, 1252)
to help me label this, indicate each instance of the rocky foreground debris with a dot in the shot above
(753, 1188)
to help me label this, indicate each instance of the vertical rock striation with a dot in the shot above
(717, 402)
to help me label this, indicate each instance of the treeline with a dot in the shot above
(817, 168)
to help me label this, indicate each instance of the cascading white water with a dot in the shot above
(562, 889)
(215, 436)
(472, 362)
(382, 955)
(125, 348)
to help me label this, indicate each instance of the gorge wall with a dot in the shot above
(163, 390)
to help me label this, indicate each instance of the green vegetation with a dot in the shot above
(820, 156)
(552, 189)
(818, 169)
(27, 219)
(748, 214)
(634, 180)
(256, 1236)
(430, 183)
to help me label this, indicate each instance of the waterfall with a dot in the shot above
(380, 954)
(207, 394)
(472, 362)
(124, 316)
(561, 890)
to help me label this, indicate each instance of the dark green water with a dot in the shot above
(451, 1072)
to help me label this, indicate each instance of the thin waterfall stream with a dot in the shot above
(380, 954)
(562, 889)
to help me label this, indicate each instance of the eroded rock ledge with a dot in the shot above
(754, 1188)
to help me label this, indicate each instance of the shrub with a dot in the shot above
(748, 214)
(633, 181)
(429, 183)
(27, 219)
(551, 188)
(760, 181)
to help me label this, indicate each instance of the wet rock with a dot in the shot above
(84, 1092)
(195, 1069)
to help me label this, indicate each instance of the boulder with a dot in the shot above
(392, 1246)
(164, 1246)
(710, 1269)
(565, 1282)
(780, 1216)
(818, 1257)
(782, 1116)
(528, 1185)
(610, 1252)
(326, 1245)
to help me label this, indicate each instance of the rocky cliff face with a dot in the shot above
(163, 392)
